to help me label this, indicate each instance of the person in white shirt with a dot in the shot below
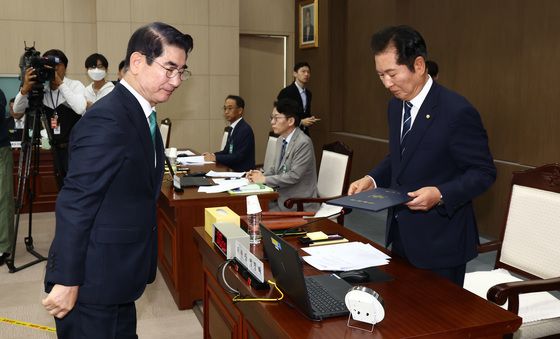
(96, 67)
(63, 103)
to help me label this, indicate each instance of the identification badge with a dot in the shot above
(19, 124)
(55, 124)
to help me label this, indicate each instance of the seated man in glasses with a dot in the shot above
(293, 172)
(239, 150)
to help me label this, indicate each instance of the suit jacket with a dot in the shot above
(239, 151)
(447, 147)
(295, 175)
(106, 234)
(292, 92)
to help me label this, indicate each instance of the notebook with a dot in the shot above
(319, 296)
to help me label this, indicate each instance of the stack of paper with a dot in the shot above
(223, 185)
(193, 160)
(215, 174)
(345, 257)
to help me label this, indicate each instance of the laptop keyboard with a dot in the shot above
(321, 300)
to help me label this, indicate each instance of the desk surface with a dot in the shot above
(417, 303)
(179, 260)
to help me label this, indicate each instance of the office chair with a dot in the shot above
(224, 138)
(165, 130)
(270, 151)
(333, 178)
(529, 247)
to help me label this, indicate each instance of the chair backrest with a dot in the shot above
(531, 233)
(224, 138)
(165, 130)
(334, 171)
(270, 152)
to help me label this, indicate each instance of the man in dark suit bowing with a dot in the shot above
(239, 150)
(438, 154)
(105, 247)
(299, 92)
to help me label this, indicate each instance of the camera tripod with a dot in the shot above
(28, 170)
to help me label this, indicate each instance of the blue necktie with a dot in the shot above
(407, 120)
(284, 143)
(153, 126)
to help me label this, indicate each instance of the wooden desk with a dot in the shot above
(418, 304)
(178, 213)
(46, 189)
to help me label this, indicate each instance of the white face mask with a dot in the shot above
(96, 74)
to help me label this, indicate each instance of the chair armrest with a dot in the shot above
(510, 291)
(489, 246)
(289, 203)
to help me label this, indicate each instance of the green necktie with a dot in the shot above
(153, 126)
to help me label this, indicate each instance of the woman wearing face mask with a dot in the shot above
(96, 66)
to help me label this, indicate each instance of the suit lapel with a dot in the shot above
(140, 124)
(289, 147)
(424, 119)
(297, 95)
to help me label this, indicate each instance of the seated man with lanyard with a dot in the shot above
(63, 103)
(239, 151)
(293, 173)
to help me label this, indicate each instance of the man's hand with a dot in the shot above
(424, 199)
(28, 80)
(309, 121)
(360, 185)
(209, 156)
(256, 177)
(61, 300)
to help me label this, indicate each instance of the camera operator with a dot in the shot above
(63, 102)
(6, 186)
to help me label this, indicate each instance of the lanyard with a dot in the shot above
(55, 104)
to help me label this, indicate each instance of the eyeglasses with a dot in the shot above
(276, 117)
(183, 72)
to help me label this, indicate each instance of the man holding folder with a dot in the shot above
(438, 153)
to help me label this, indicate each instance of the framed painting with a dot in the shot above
(308, 24)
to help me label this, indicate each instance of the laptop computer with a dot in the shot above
(187, 181)
(318, 297)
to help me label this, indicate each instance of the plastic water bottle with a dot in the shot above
(254, 215)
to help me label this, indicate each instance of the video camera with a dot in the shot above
(44, 66)
(44, 71)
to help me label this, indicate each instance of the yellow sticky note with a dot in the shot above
(317, 235)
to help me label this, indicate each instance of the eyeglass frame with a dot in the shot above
(276, 117)
(183, 72)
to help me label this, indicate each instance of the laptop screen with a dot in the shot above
(287, 268)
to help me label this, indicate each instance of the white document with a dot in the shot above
(198, 159)
(345, 257)
(223, 185)
(325, 210)
(187, 152)
(215, 174)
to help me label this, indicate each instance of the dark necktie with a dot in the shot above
(229, 129)
(153, 126)
(284, 143)
(407, 120)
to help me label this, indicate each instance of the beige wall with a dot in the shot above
(82, 27)
(262, 61)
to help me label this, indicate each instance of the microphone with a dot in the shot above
(317, 219)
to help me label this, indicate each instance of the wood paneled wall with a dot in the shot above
(503, 56)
